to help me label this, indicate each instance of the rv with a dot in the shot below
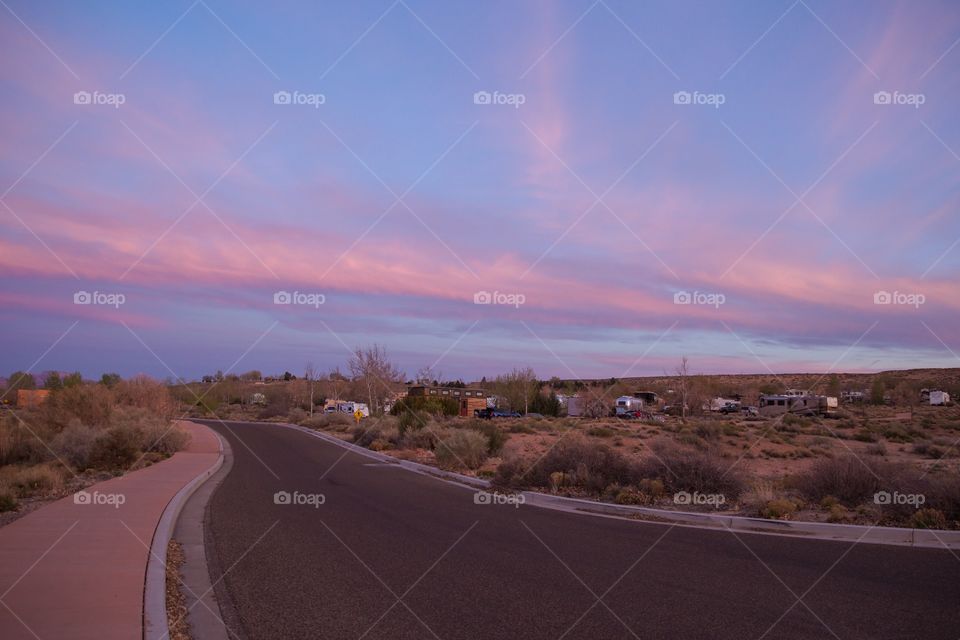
(353, 407)
(627, 404)
(775, 405)
(939, 398)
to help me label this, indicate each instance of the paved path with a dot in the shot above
(76, 571)
(393, 554)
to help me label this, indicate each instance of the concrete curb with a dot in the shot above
(924, 538)
(154, 593)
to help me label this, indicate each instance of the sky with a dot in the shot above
(589, 188)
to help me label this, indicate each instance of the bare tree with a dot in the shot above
(337, 383)
(310, 375)
(426, 375)
(517, 388)
(683, 373)
(371, 367)
(594, 403)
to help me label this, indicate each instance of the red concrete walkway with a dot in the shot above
(77, 571)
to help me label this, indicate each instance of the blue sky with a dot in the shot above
(787, 188)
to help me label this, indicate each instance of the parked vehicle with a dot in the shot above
(730, 407)
(489, 413)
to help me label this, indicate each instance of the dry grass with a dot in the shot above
(176, 601)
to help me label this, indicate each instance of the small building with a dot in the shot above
(650, 398)
(574, 406)
(467, 398)
(939, 398)
(30, 398)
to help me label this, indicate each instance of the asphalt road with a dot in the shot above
(393, 554)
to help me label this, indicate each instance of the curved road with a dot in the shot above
(393, 554)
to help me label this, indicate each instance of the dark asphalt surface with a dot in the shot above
(462, 570)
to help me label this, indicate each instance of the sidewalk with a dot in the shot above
(77, 571)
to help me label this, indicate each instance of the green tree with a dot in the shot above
(548, 405)
(833, 386)
(877, 391)
(110, 379)
(73, 380)
(20, 380)
(53, 381)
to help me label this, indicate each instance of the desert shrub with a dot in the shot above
(848, 478)
(420, 439)
(943, 493)
(272, 410)
(708, 430)
(144, 392)
(689, 437)
(928, 449)
(92, 404)
(26, 481)
(365, 434)
(496, 438)
(692, 471)
(8, 499)
(865, 435)
(877, 449)
(828, 502)
(837, 514)
(593, 466)
(297, 415)
(521, 427)
(778, 509)
(464, 448)
(74, 444)
(163, 438)
(116, 448)
(600, 432)
(22, 440)
(317, 421)
(335, 421)
(412, 420)
(434, 405)
(896, 433)
(928, 519)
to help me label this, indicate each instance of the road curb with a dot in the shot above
(895, 536)
(154, 593)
